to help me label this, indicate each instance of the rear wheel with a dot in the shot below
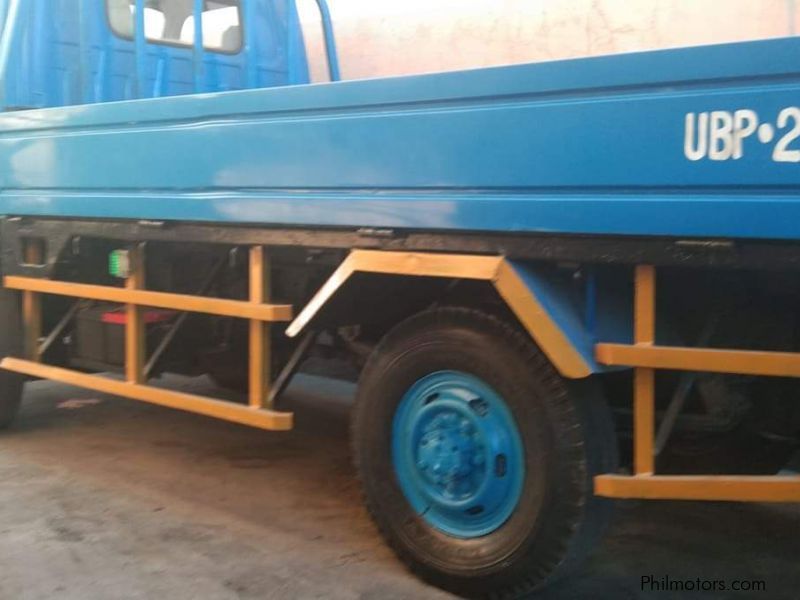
(476, 458)
(10, 345)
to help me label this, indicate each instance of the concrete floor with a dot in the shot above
(102, 498)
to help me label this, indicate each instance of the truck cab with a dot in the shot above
(108, 50)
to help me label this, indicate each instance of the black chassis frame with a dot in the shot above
(597, 250)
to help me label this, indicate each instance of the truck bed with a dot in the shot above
(587, 146)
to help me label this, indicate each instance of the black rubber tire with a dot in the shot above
(10, 345)
(568, 437)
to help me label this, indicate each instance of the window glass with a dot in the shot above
(172, 22)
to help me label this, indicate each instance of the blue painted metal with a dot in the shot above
(198, 53)
(63, 52)
(565, 302)
(591, 146)
(457, 454)
(140, 45)
(330, 41)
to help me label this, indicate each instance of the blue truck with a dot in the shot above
(558, 284)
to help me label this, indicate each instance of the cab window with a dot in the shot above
(172, 22)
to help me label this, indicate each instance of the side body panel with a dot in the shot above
(591, 146)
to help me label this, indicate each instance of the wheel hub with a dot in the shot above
(449, 455)
(457, 454)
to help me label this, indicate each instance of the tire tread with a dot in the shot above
(586, 517)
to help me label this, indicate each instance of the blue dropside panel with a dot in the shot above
(701, 142)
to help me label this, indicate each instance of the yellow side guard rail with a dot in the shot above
(643, 355)
(258, 413)
(646, 357)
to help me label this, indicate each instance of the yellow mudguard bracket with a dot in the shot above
(555, 336)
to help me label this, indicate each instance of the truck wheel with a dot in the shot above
(476, 458)
(10, 344)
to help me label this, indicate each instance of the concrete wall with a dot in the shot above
(395, 37)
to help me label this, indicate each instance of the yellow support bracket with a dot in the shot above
(706, 360)
(260, 357)
(181, 302)
(135, 333)
(32, 305)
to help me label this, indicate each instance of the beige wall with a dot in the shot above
(394, 37)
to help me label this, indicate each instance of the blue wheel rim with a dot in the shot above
(457, 454)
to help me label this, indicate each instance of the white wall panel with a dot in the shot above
(395, 37)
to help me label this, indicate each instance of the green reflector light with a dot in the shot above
(119, 264)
